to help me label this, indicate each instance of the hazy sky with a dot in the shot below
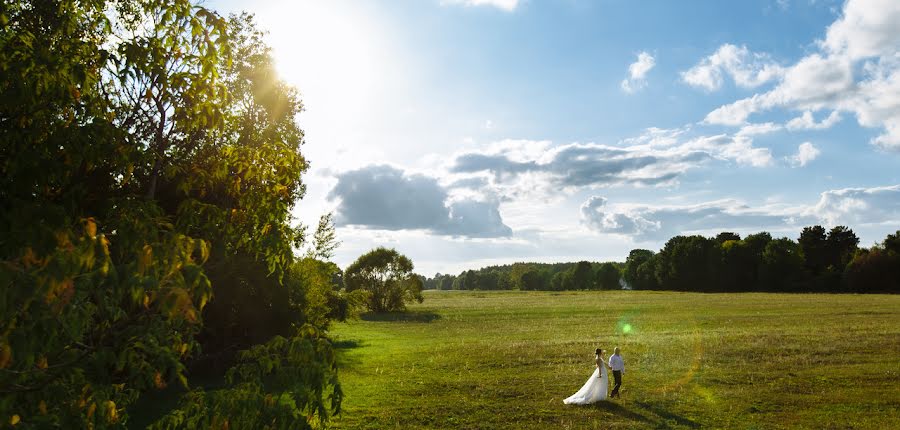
(474, 132)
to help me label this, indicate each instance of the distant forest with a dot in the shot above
(820, 260)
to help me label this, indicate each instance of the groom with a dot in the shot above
(618, 368)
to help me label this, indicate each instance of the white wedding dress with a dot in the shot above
(594, 390)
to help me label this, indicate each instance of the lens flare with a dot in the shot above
(626, 328)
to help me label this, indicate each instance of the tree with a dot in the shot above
(892, 243)
(583, 276)
(739, 266)
(607, 277)
(725, 236)
(635, 258)
(534, 279)
(813, 242)
(324, 240)
(130, 178)
(646, 277)
(387, 276)
(842, 244)
(782, 266)
(874, 271)
(689, 263)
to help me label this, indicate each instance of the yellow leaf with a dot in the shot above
(158, 380)
(42, 363)
(90, 227)
(145, 258)
(146, 301)
(111, 413)
(42, 406)
(91, 410)
(30, 258)
(62, 241)
(14, 420)
(105, 242)
(5, 355)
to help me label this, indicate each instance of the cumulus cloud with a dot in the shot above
(506, 5)
(384, 197)
(663, 222)
(859, 206)
(807, 122)
(659, 157)
(637, 73)
(747, 69)
(758, 129)
(850, 206)
(856, 70)
(579, 165)
(805, 153)
(868, 28)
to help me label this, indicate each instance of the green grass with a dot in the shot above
(507, 359)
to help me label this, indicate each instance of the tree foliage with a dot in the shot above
(149, 160)
(387, 277)
(607, 277)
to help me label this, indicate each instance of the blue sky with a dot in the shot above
(474, 132)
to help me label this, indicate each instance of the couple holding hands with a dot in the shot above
(597, 386)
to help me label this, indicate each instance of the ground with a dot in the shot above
(507, 359)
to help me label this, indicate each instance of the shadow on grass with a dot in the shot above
(668, 415)
(617, 409)
(347, 344)
(413, 316)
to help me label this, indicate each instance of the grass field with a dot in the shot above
(507, 359)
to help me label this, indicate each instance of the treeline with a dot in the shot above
(583, 275)
(820, 260)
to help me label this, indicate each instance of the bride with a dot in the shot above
(595, 389)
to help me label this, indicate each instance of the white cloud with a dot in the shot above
(851, 206)
(747, 69)
(738, 148)
(735, 113)
(506, 5)
(859, 206)
(637, 73)
(758, 129)
(537, 169)
(806, 152)
(644, 222)
(858, 71)
(868, 28)
(807, 122)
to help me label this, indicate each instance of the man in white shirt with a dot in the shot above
(618, 368)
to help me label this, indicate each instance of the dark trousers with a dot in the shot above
(617, 377)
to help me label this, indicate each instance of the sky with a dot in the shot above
(465, 133)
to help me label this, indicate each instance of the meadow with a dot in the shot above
(507, 359)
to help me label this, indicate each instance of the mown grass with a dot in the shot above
(507, 359)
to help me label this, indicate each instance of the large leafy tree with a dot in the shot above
(814, 242)
(583, 275)
(689, 263)
(145, 146)
(387, 276)
(842, 245)
(607, 277)
(635, 258)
